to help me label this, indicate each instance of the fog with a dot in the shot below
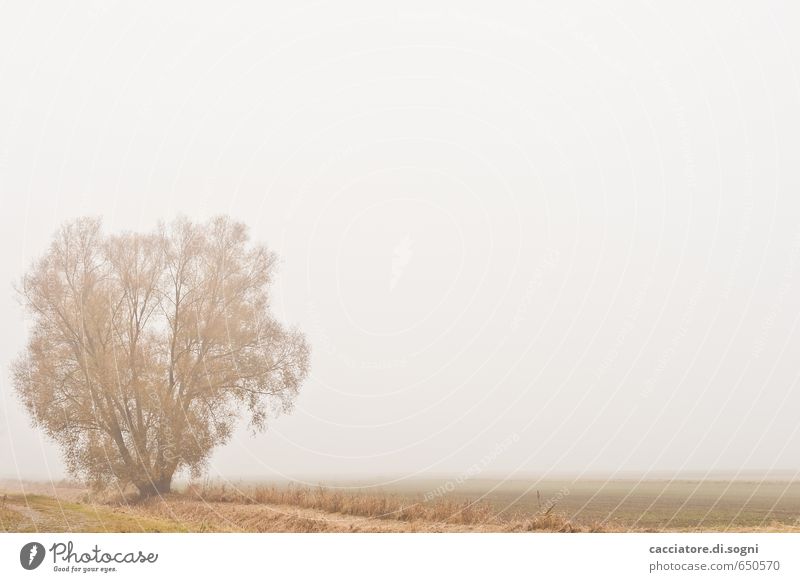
(520, 239)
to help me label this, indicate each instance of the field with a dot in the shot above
(422, 505)
(678, 505)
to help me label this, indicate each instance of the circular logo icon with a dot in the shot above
(31, 555)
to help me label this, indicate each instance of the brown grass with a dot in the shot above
(470, 515)
(263, 508)
(9, 518)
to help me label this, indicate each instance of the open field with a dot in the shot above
(648, 505)
(423, 505)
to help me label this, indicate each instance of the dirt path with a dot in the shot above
(31, 517)
(42, 513)
(236, 517)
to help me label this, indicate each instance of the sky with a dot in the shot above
(523, 238)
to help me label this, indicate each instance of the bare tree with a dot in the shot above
(146, 349)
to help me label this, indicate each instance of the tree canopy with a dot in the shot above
(146, 349)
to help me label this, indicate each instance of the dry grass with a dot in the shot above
(410, 513)
(207, 507)
(197, 516)
(9, 518)
(42, 513)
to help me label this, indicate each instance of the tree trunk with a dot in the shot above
(150, 488)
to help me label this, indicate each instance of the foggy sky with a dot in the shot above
(528, 239)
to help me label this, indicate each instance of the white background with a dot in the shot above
(574, 225)
(402, 557)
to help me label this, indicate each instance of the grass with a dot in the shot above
(472, 506)
(9, 519)
(653, 505)
(551, 505)
(390, 507)
(35, 513)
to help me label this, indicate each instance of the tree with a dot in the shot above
(146, 349)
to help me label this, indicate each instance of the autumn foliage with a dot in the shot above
(145, 349)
